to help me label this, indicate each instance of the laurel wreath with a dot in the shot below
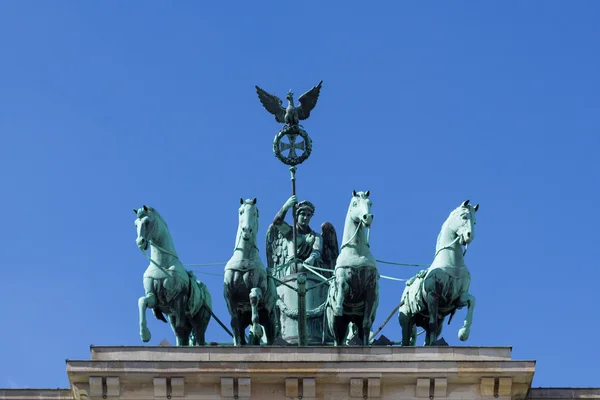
(293, 312)
(297, 131)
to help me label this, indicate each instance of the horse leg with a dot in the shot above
(243, 324)
(201, 320)
(179, 323)
(179, 330)
(256, 332)
(432, 308)
(361, 332)
(407, 325)
(440, 326)
(199, 325)
(235, 326)
(342, 288)
(232, 306)
(145, 302)
(267, 320)
(173, 324)
(469, 300)
(370, 311)
(340, 327)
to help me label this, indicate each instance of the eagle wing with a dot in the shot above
(276, 251)
(330, 250)
(308, 101)
(272, 104)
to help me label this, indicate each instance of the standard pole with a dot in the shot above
(301, 281)
(293, 179)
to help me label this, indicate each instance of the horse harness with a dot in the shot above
(165, 251)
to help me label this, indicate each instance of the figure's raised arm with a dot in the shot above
(279, 220)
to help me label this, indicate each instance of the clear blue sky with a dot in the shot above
(105, 106)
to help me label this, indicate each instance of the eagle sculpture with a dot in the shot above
(292, 114)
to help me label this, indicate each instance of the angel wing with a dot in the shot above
(272, 104)
(276, 250)
(330, 250)
(308, 101)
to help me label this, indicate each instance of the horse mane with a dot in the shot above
(157, 214)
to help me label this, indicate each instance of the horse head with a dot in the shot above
(462, 222)
(360, 208)
(145, 224)
(248, 219)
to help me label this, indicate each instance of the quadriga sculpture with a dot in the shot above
(251, 298)
(169, 288)
(354, 296)
(442, 288)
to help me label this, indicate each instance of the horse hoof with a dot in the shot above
(145, 335)
(463, 333)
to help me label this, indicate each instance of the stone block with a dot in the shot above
(309, 389)
(291, 387)
(244, 388)
(356, 387)
(113, 387)
(505, 387)
(440, 388)
(96, 389)
(487, 386)
(160, 388)
(177, 387)
(227, 391)
(423, 386)
(373, 388)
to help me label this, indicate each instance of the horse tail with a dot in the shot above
(158, 314)
(451, 315)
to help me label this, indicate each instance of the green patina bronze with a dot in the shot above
(354, 296)
(290, 117)
(313, 292)
(250, 296)
(299, 259)
(312, 250)
(443, 288)
(169, 288)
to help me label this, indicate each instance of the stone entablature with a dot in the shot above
(563, 393)
(36, 394)
(300, 373)
(324, 373)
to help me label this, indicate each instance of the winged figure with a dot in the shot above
(313, 249)
(292, 114)
(278, 250)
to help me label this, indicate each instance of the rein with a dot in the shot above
(162, 250)
(358, 226)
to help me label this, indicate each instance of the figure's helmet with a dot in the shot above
(290, 95)
(305, 205)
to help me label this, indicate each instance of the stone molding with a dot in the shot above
(175, 373)
(308, 373)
